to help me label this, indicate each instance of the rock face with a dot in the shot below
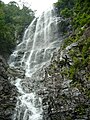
(66, 94)
(7, 93)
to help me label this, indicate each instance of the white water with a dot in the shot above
(35, 51)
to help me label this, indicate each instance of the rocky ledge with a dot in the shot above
(66, 85)
(7, 93)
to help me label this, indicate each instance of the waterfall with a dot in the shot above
(39, 42)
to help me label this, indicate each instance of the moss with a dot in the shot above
(65, 72)
(87, 92)
(69, 118)
(81, 109)
(75, 84)
(79, 70)
(80, 56)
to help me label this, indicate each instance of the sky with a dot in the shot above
(39, 5)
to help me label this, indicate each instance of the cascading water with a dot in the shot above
(32, 54)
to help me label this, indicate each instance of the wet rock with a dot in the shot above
(7, 93)
(20, 73)
(65, 99)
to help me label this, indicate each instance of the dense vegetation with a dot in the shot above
(13, 21)
(77, 10)
(78, 14)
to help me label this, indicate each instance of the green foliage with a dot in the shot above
(80, 55)
(81, 109)
(66, 12)
(79, 69)
(77, 10)
(80, 20)
(13, 21)
(61, 4)
(81, 58)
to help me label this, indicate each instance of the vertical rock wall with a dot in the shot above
(67, 83)
(7, 93)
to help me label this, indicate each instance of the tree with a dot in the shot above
(13, 21)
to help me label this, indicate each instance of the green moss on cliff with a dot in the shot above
(77, 49)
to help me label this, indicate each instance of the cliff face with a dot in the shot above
(67, 82)
(7, 93)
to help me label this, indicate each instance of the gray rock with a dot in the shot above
(7, 93)
(62, 101)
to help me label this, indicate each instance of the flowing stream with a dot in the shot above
(32, 54)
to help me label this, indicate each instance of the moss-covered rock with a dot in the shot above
(67, 80)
